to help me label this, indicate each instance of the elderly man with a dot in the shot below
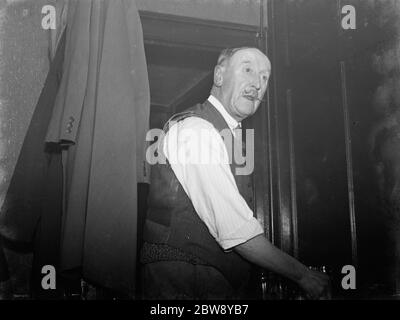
(200, 234)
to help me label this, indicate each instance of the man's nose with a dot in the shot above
(257, 83)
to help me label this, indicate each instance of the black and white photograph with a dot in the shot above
(216, 153)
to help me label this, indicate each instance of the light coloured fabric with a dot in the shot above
(61, 23)
(210, 186)
(101, 117)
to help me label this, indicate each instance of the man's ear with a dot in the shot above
(218, 75)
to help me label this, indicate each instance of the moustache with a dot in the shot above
(253, 94)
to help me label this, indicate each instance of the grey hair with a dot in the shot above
(227, 53)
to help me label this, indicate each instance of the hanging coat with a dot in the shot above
(100, 119)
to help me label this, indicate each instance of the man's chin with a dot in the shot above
(248, 109)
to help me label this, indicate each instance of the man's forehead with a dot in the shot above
(251, 55)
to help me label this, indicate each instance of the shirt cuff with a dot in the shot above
(247, 231)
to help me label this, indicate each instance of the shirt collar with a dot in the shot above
(232, 123)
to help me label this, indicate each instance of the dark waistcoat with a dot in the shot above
(172, 220)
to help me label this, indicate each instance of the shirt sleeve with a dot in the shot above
(199, 159)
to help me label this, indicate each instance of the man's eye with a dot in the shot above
(247, 69)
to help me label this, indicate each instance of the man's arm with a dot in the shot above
(260, 251)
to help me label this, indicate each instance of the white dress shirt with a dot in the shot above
(210, 185)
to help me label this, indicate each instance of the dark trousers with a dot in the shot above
(169, 280)
(4, 274)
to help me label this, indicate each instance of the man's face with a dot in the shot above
(244, 82)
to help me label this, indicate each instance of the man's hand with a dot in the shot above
(316, 284)
(261, 252)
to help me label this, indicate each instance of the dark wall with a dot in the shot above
(317, 64)
(24, 64)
